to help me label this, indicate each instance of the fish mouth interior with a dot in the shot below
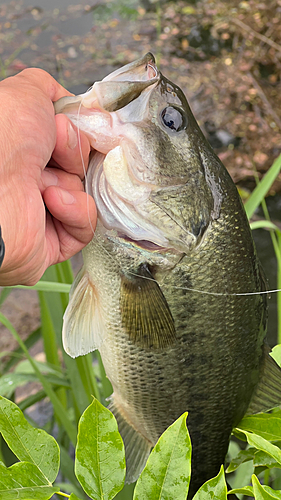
(144, 244)
(119, 215)
(152, 71)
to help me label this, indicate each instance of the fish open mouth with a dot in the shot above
(122, 86)
(102, 114)
(120, 212)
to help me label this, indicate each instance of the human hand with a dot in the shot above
(40, 168)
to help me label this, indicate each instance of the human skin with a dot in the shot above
(45, 215)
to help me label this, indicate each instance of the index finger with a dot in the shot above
(43, 80)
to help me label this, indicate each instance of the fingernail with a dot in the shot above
(49, 178)
(72, 137)
(66, 197)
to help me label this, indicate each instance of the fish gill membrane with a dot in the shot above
(171, 291)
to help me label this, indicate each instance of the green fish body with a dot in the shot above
(157, 291)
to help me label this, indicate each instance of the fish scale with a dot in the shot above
(172, 334)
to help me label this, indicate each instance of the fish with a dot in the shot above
(171, 291)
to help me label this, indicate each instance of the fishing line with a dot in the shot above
(84, 168)
(221, 294)
(87, 186)
(204, 292)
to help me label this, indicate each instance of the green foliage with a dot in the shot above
(167, 473)
(24, 481)
(266, 425)
(100, 456)
(37, 451)
(214, 488)
(28, 444)
(99, 460)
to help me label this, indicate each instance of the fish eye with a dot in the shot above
(173, 118)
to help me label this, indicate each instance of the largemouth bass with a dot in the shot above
(157, 291)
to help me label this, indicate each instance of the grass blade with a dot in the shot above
(46, 286)
(262, 188)
(58, 407)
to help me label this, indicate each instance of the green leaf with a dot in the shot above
(74, 497)
(28, 444)
(100, 456)
(242, 457)
(242, 475)
(26, 367)
(264, 492)
(167, 472)
(262, 444)
(262, 459)
(10, 381)
(276, 354)
(267, 425)
(24, 481)
(246, 490)
(214, 488)
(262, 188)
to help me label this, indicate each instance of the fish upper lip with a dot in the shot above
(129, 73)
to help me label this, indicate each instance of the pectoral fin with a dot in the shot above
(82, 321)
(145, 313)
(137, 448)
(268, 392)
